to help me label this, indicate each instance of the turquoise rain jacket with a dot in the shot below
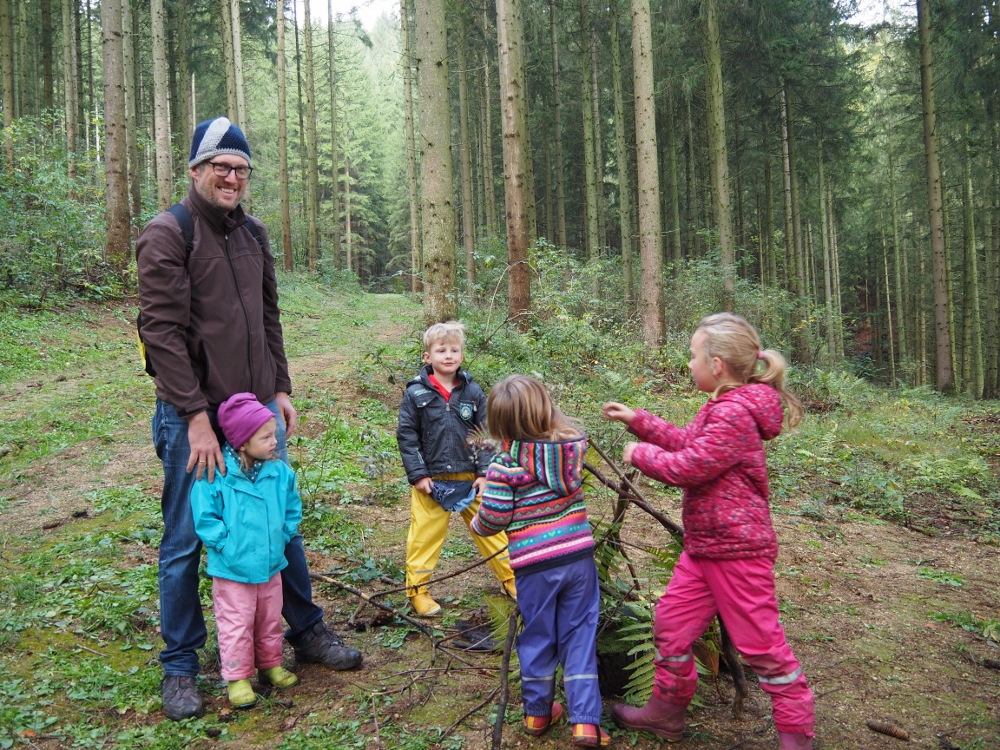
(245, 525)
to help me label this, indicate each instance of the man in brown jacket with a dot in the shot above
(210, 324)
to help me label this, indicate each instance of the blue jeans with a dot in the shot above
(182, 623)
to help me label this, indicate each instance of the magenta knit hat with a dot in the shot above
(240, 416)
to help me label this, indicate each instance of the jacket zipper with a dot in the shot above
(246, 316)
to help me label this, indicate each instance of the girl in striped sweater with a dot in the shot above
(534, 492)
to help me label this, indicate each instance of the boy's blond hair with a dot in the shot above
(452, 330)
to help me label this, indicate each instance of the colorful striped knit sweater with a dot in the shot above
(534, 492)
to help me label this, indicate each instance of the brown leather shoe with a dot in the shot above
(659, 717)
(180, 696)
(319, 646)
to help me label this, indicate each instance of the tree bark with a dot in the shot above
(237, 31)
(560, 238)
(624, 172)
(161, 101)
(312, 167)
(46, 52)
(334, 158)
(286, 211)
(591, 238)
(786, 165)
(411, 151)
(944, 374)
(831, 341)
(184, 99)
(491, 198)
(228, 60)
(7, 65)
(972, 336)
(437, 207)
(676, 251)
(647, 174)
(516, 170)
(129, 24)
(901, 316)
(595, 102)
(118, 244)
(69, 85)
(717, 146)
(465, 165)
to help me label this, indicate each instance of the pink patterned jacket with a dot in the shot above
(720, 463)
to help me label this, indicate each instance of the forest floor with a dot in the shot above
(885, 619)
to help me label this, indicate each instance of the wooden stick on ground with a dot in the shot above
(505, 679)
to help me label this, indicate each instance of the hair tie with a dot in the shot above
(760, 355)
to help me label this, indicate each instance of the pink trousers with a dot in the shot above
(248, 617)
(742, 592)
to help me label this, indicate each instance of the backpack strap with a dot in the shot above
(180, 212)
(255, 231)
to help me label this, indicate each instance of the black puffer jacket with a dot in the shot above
(432, 432)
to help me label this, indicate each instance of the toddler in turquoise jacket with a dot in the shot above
(245, 519)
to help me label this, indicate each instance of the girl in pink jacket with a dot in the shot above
(729, 542)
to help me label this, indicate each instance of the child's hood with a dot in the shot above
(558, 465)
(764, 404)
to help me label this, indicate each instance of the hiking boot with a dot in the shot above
(423, 605)
(590, 735)
(789, 741)
(241, 694)
(510, 588)
(317, 645)
(180, 696)
(659, 717)
(536, 726)
(277, 676)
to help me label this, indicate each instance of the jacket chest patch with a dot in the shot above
(465, 411)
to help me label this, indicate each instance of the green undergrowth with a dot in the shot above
(78, 603)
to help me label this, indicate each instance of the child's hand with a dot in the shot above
(620, 412)
(480, 485)
(627, 452)
(425, 485)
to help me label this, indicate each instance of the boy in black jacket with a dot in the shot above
(440, 407)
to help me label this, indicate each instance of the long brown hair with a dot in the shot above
(730, 338)
(520, 408)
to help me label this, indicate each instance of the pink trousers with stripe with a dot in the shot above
(248, 617)
(743, 593)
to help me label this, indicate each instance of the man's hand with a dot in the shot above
(287, 412)
(205, 450)
(627, 452)
(480, 485)
(425, 485)
(619, 412)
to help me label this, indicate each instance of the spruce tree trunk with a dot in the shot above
(351, 265)
(46, 51)
(592, 236)
(129, 23)
(831, 341)
(595, 102)
(69, 84)
(838, 305)
(992, 257)
(118, 239)
(718, 156)
(560, 239)
(411, 151)
(691, 195)
(334, 158)
(237, 30)
(944, 374)
(769, 276)
(161, 108)
(228, 60)
(465, 165)
(491, 198)
(676, 251)
(786, 165)
(299, 102)
(516, 171)
(647, 175)
(888, 307)
(184, 114)
(624, 172)
(312, 167)
(901, 315)
(7, 65)
(971, 318)
(437, 207)
(286, 211)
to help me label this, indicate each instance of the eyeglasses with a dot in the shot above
(223, 170)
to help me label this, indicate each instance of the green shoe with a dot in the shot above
(241, 694)
(277, 676)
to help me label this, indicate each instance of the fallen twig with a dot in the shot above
(438, 579)
(505, 679)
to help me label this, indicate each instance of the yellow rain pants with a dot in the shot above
(428, 529)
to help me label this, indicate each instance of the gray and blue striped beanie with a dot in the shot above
(214, 137)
